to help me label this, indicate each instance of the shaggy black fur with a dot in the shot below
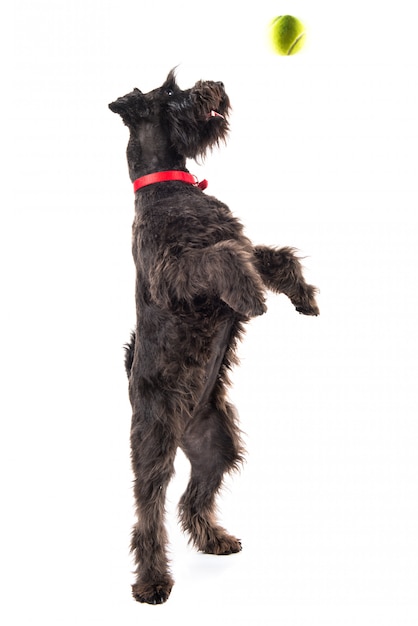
(198, 280)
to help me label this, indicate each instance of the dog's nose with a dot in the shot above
(221, 85)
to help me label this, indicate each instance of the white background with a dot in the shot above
(322, 156)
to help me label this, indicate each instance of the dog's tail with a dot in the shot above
(129, 353)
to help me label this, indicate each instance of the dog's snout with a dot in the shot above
(220, 84)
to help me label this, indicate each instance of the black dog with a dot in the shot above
(198, 280)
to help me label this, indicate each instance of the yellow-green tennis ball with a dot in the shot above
(287, 34)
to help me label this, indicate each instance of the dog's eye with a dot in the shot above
(169, 92)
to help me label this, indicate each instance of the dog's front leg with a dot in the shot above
(281, 271)
(225, 269)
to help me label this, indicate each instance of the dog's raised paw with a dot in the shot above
(310, 308)
(259, 308)
(246, 306)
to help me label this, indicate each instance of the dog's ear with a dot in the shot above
(170, 83)
(131, 107)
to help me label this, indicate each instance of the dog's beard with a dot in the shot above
(197, 125)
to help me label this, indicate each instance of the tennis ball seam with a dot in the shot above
(295, 42)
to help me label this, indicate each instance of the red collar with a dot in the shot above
(160, 177)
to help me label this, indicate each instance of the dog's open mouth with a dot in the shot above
(215, 114)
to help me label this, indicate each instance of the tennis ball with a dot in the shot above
(287, 34)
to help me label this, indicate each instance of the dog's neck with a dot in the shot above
(152, 159)
(168, 175)
(149, 150)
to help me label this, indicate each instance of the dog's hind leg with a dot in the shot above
(212, 450)
(281, 271)
(212, 444)
(154, 445)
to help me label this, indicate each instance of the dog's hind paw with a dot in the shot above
(225, 544)
(152, 592)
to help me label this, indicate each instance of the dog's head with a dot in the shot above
(186, 123)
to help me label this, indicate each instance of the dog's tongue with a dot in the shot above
(216, 114)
